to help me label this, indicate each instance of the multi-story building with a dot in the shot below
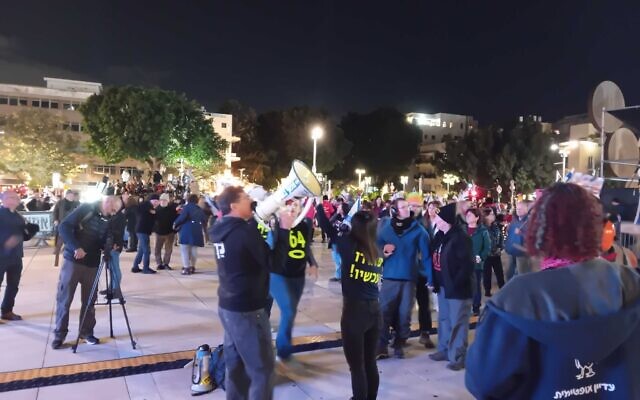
(435, 127)
(578, 143)
(63, 97)
(223, 126)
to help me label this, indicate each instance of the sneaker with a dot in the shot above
(439, 356)
(92, 340)
(10, 316)
(186, 271)
(398, 352)
(168, 267)
(192, 270)
(456, 366)
(135, 270)
(426, 341)
(160, 267)
(382, 353)
(149, 271)
(57, 343)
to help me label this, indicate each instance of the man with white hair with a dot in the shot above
(12, 228)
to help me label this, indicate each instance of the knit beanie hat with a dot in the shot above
(448, 213)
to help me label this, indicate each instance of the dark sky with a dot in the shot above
(493, 62)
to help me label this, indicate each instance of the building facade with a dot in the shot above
(435, 128)
(223, 126)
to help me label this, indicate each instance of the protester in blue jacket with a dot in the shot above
(402, 239)
(191, 236)
(519, 262)
(571, 330)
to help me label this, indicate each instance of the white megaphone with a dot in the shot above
(301, 182)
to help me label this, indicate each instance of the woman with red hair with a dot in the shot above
(572, 328)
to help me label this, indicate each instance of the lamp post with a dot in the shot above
(404, 180)
(360, 172)
(316, 133)
(241, 170)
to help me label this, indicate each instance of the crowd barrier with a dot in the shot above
(44, 219)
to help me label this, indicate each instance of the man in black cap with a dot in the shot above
(146, 220)
(453, 273)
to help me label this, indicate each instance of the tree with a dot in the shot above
(384, 144)
(34, 146)
(283, 136)
(150, 125)
(492, 154)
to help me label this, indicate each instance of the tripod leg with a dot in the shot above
(94, 289)
(126, 318)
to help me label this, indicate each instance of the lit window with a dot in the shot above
(444, 124)
(35, 103)
(450, 125)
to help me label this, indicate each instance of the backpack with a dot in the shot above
(217, 367)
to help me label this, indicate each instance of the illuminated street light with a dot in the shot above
(360, 172)
(404, 180)
(316, 133)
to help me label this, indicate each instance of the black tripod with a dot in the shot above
(105, 265)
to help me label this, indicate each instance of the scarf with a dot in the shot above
(552, 263)
(401, 225)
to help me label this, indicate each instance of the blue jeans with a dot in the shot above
(287, 293)
(144, 251)
(116, 273)
(248, 354)
(337, 260)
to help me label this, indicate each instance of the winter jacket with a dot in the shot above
(456, 263)
(13, 224)
(146, 218)
(481, 245)
(189, 223)
(569, 332)
(515, 241)
(243, 264)
(165, 217)
(63, 208)
(131, 213)
(85, 228)
(404, 264)
(497, 239)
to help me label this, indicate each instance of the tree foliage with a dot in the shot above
(150, 125)
(34, 146)
(490, 155)
(384, 144)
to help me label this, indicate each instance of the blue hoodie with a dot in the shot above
(571, 332)
(515, 242)
(403, 263)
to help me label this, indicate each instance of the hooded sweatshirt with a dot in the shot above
(571, 332)
(243, 265)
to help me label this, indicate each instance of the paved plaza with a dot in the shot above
(170, 312)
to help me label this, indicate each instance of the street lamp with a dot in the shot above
(241, 170)
(404, 180)
(316, 133)
(360, 172)
(564, 149)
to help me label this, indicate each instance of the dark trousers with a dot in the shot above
(133, 239)
(424, 308)
(13, 271)
(396, 300)
(248, 355)
(477, 291)
(72, 274)
(360, 324)
(492, 263)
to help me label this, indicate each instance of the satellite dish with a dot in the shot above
(623, 147)
(608, 95)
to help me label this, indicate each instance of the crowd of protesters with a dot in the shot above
(388, 256)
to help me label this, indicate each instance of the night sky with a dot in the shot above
(498, 62)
